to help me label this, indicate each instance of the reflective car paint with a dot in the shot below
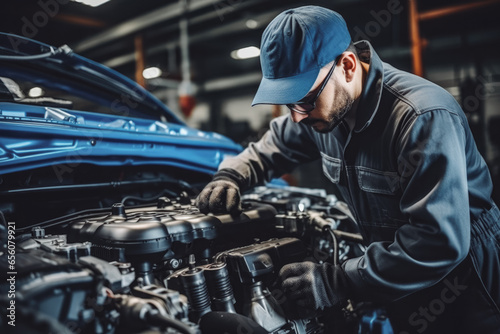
(33, 136)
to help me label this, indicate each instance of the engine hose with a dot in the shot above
(335, 246)
(154, 318)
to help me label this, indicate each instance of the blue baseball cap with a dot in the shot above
(294, 47)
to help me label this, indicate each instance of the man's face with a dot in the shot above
(331, 107)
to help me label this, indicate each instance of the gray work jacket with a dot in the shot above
(420, 192)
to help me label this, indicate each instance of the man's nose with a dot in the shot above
(296, 117)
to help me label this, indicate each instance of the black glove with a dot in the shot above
(222, 195)
(311, 287)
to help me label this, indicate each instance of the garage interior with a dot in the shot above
(190, 49)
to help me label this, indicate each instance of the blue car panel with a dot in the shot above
(136, 128)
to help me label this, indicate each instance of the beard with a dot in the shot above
(341, 106)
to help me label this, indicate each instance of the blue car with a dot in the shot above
(99, 232)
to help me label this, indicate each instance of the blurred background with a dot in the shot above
(200, 57)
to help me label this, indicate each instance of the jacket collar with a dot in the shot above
(372, 90)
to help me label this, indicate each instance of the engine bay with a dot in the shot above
(165, 267)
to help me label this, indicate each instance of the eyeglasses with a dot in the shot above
(305, 107)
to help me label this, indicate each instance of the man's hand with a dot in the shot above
(222, 195)
(311, 287)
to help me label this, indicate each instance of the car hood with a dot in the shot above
(63, 61)
(34, 136)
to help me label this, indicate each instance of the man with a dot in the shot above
(401, 153)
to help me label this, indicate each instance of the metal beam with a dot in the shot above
(80, 20)
(219, 13)
(139, 23)
(415, 18)
(220, 84)
(437, 13)
(226, 29)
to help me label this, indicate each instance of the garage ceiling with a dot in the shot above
(106, 33)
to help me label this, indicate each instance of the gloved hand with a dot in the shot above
(311, 287)
(222, 195)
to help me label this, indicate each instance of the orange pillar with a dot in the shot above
(139, 60)
(416, 42)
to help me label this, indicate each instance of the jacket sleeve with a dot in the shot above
(433, 178)
(282, 148)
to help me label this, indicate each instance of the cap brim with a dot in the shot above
(285, 90)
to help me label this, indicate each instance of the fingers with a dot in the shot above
(203, 200)
(233, 202)
(217, 202)
(295, 280)
(219, 197)
(298, 287)
(296, 269)
(293, 287)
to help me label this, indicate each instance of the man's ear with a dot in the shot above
(349, 65)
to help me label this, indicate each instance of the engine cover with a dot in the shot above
(169, 230)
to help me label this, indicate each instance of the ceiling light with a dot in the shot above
(251, 24)
(35, 92)
(151, 73)
(92, 3)
(245, 53)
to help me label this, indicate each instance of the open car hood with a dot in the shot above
(34, 136)
(63, 69)
(123, 124)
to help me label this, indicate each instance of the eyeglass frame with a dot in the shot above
(312, 103)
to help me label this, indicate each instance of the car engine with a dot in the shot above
(164, 267)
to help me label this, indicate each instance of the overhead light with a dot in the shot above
(151, 73)
(92, 3)
(251, 24)
(245, 53)
(35, 92)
